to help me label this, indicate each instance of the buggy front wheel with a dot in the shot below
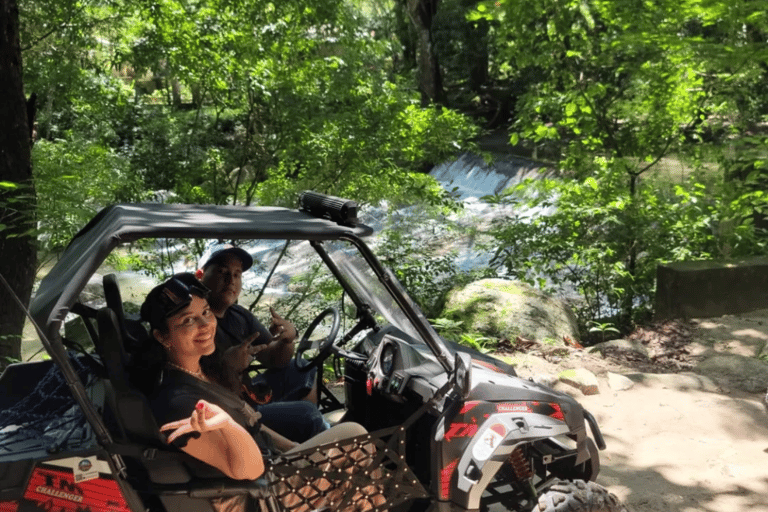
(578, 496)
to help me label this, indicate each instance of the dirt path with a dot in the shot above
(673, 446)
(679, 442)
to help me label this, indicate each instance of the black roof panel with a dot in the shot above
(128, 222)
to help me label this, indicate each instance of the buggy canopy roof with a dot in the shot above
(123, 223)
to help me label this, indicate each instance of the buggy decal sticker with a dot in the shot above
(488, 365)
(86, 470)
(445, 479)
(551, 409)
(518, 407)
(54, 489)
(461, 430)
(468, 406)
(8, 506)
(488, 442)
(75, 463)
(558, 414)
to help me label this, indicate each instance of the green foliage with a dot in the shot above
(426, 274)
(74, 180)
(6, 360)
(15, 220)
(234, 102)
(453, 330)
(602, 328)
(448, 327)
(480, 343)
(414, 248)
(618, 87)
(251, 102)
(593, 237)
(310, 292)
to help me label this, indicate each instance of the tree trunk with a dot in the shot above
(476, 54)
(406, 34)
(17, 193)
(422, 12)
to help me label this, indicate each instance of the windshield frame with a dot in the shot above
(411, 313)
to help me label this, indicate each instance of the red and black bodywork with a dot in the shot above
(75, 483)
(500, 440)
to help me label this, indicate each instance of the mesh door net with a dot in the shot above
(363, 473)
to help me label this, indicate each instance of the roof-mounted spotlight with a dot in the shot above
(341, 211)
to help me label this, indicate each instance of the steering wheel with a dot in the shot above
(323, 346)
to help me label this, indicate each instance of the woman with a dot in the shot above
(200, 414)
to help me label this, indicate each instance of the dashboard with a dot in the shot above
(397, 364)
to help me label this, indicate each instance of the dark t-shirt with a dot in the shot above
(287, 384)
(177, 395)
(237, 324)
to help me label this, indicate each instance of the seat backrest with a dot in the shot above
(114, 300)
(132, 331)
(131, 407)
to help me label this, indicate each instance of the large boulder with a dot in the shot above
(501, 308)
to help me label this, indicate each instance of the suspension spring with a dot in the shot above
(520, 465)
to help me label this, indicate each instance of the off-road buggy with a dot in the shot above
(452, 429)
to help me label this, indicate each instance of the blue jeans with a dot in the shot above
(298, 420)
(287, 414)
(288, 383)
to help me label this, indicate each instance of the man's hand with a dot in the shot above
(282, 330)
(240, 356)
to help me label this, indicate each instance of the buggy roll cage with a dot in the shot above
(321, 218)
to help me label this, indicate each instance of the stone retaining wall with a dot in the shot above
(702, 289)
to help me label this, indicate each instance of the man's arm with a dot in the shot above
(277, 341)
(280, 349)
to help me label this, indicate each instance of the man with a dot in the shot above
(240, 336)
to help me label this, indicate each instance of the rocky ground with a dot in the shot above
(681, 405)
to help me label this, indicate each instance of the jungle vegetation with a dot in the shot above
(249, 102)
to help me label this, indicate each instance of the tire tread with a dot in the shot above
(578, 496)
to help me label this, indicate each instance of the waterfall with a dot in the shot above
(471, 178)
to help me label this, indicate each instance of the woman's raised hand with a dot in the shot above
(205, 418)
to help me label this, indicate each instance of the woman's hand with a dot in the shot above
(223, 443)
(206, 417)
(282, 330)
(240, 356)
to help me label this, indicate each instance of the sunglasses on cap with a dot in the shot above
(169, 298)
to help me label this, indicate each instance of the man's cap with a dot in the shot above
(170, 297)
(218, 252)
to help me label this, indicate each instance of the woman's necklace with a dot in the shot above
(198, 374)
